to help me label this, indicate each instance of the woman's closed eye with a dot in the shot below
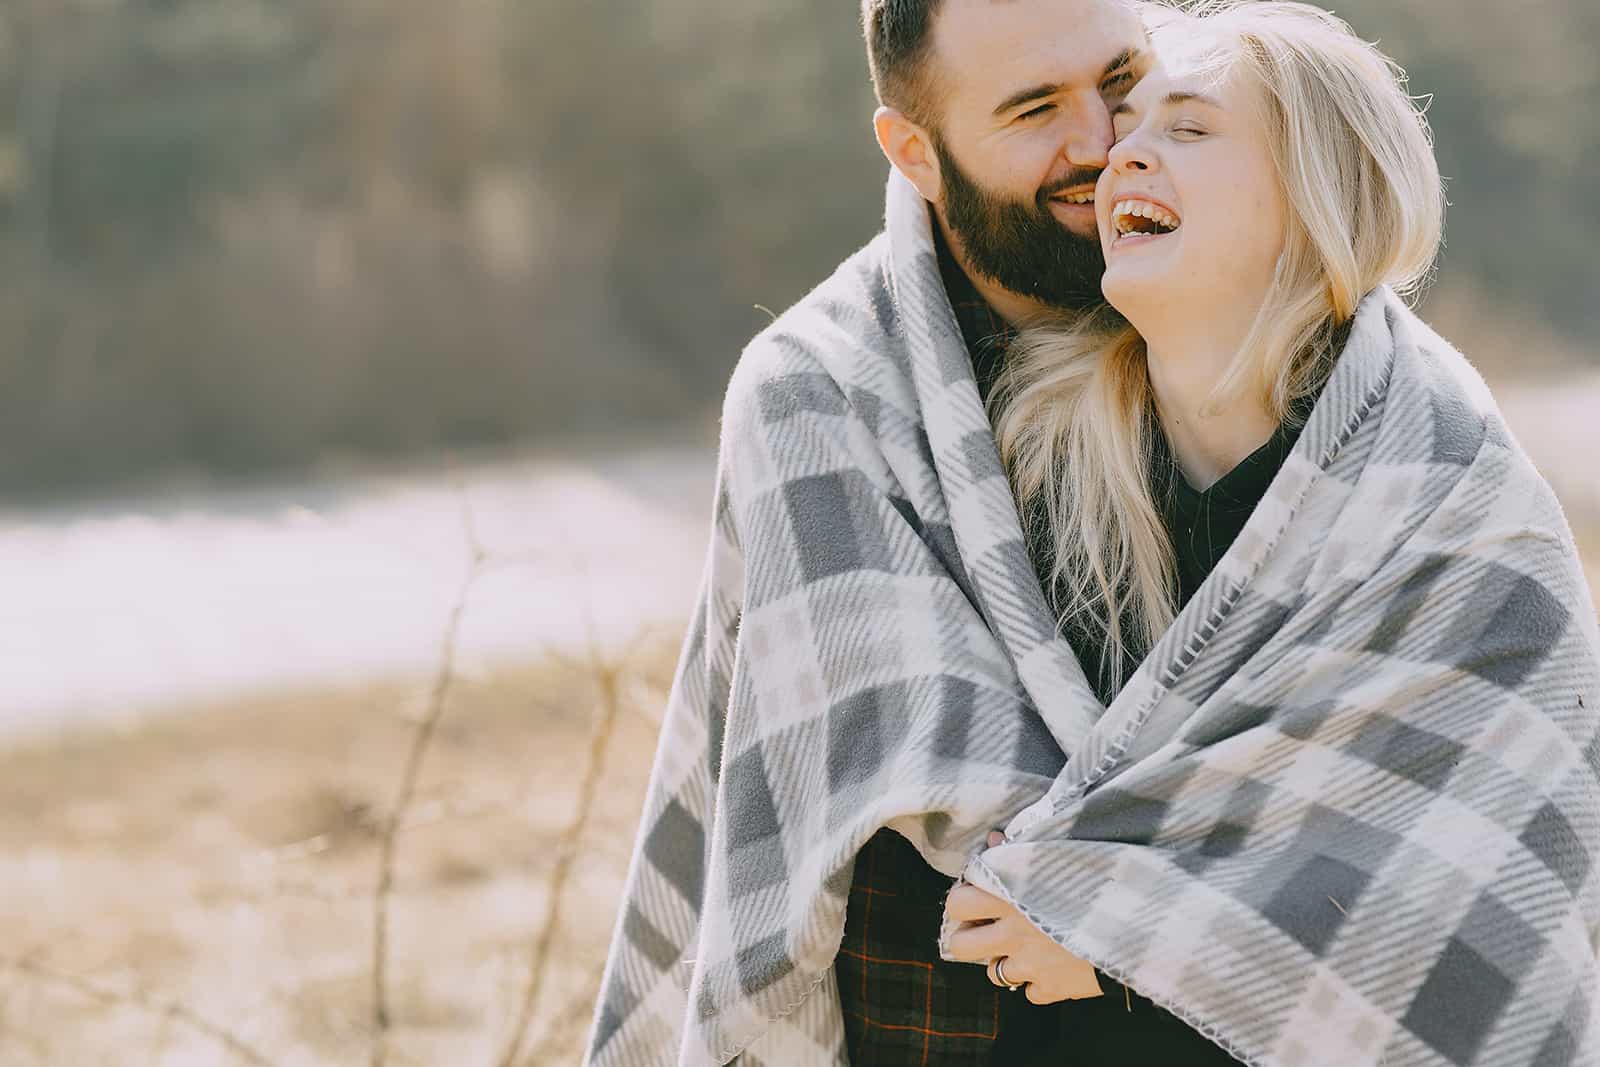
(1036, 112)
(1183, 129)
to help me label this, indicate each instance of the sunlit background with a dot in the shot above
(359, 362)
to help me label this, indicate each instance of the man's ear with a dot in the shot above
(909, 148)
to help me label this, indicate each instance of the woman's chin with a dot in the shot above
(1130, 286)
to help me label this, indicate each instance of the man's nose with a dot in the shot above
(1090, 139)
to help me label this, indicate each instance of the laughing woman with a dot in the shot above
(1343, 804)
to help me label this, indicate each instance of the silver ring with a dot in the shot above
(1000, 973)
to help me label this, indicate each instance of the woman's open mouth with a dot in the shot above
(1138, 221)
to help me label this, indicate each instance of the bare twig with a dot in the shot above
(36, 1046)
(573, 1014)
(32, 953)
(408, 787)
(139, 999)
(38, 1049)
(344, 1027)
(608, 674)
(158, 1047)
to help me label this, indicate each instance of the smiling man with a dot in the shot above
(999, 114)
(873, 678)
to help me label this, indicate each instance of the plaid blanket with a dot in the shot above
(1346, 812)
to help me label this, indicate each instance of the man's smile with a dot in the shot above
(1074, 208)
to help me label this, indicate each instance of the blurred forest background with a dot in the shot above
(241, 234)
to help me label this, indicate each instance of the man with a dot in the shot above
(1003, 125)
(873, 661)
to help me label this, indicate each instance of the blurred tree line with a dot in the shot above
(244, 233)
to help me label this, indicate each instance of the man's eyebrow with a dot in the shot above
(1119, 68)
(1023, 96)
(1124, 58)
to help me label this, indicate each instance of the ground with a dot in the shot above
(224, 862)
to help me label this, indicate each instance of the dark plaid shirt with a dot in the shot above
(902, 1004)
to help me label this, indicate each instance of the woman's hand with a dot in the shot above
(992, 929)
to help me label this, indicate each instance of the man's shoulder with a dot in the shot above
(853, 305)
(828, 341)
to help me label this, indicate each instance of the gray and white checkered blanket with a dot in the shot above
(1346, 812)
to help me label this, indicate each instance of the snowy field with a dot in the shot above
(118, 607)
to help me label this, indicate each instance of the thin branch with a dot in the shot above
(139, 999)
(37, 1048)
(158, 1047)
(420, 743)
(609, 674)
(572, 1015)
(29, 956)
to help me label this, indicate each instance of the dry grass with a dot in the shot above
(201, 890)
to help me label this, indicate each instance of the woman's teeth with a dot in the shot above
(1138, 216)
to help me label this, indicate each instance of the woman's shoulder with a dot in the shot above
(1448, 367)
(1463, 409)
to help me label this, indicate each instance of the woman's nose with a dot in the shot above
(1131, 155)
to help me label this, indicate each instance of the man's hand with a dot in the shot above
(991, 929)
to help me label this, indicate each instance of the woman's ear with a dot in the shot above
(909, 148)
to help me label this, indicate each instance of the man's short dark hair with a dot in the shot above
(899, 47)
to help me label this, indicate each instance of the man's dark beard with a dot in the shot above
(1022, 246)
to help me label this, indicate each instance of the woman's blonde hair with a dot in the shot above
(1074, 412)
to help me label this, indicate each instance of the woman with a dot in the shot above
(1272, 187)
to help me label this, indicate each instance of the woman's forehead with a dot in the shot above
(1190, 63)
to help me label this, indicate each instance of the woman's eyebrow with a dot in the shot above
(1177, 96)
(1026, 96)
(1184, 96)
